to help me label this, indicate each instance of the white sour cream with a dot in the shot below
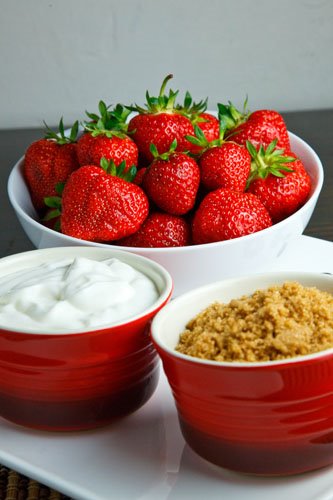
(74, 294)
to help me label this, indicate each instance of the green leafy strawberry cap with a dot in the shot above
(54, 203)
(231, 115)
(120, 171)
(60, 137)
(199, 139)
(191, 109)
(166, 155)
(269, 161)
(109, 122)
(162, 103)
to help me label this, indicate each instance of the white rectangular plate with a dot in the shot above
(144, 455)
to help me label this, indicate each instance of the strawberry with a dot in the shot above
(160, 230)
(225, 166)
(105, 137)
(172, 180)
(160, 124)
(260, 127)
(209, 125)
(279, 180)
(222, 163)
(225, 214)
(139, 176)
(98, 205)
(50, 161)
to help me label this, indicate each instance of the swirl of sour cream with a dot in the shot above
(74, 294)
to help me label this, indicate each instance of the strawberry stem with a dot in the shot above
(269, 161)
(199, 139)
(191, 109)
(164, 83)
(60, 137)
(161, 103)
(110, 122)
(166, 155)
(120, 171)
(231, 115)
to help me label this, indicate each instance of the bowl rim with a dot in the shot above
(16, 170)
(199, 291)
(163, 297)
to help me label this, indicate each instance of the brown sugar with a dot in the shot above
(276, 323)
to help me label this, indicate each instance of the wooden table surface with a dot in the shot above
(315, 127)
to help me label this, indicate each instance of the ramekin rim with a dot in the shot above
(157, 304)
(234, 364)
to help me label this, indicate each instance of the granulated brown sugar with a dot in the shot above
(276, 323)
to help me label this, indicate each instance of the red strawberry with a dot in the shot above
(172, 181)
(160, 230)
(50, 161)
(225, 214)
(105, 137)
(139, 176)
(279, 180)
(260, 127)
(225, 166)
(274, 118)
(260, 130)
(97, 205)
(222, 163)
(209, 124)
(160, 124)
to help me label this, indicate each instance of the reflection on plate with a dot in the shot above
(144, 456)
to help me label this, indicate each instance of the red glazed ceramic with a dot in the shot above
(84, 379)
(270, 418)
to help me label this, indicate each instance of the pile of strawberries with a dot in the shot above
(166, 174)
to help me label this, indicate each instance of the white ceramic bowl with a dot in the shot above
(195, 265)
